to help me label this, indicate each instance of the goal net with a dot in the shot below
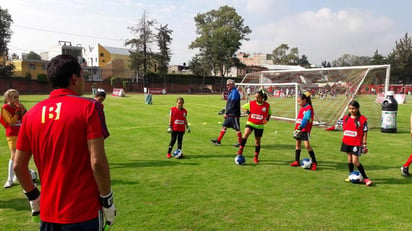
(331, 88)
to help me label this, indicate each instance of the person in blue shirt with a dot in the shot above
(232, 114)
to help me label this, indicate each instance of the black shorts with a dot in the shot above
(258, 132)
(304, 136)
(232, 122)
(354, 150)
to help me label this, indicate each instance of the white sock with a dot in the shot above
(11, 171)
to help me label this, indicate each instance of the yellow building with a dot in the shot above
(29, 68)
(114, 62)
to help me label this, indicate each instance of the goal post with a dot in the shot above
(332, 90)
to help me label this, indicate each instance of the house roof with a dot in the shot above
(118, 50)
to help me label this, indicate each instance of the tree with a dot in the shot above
(33, 56)
(163, 40)
(378, 59)
(401, 61)
(144, 37)
(220, 33)
(282, 55)
(351, 60)
(5, 32)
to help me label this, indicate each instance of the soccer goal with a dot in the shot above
(332, 89)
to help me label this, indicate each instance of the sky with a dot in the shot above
(322, 30)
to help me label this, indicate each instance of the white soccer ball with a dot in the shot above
(355, 177)
(178, 154)
(33, 175)
(240, 159)
(306, 163)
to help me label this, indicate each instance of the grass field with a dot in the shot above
(207, 191)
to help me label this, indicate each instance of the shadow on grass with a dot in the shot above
(403, 180)
(150, 163)
(18, 204)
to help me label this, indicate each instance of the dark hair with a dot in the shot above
(61, 68)
(262, 94)
(354, 103)
(101, 94)
(180, 98)
(306, 96)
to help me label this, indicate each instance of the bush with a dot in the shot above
(42, 78)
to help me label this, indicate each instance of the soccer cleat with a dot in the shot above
(215, 142)
(169, 155)
(256, 159)
(239, 152)
(405, 171)
(295, 164)
(8, 184)
(368, 182)
(236, 145)
(314, 166)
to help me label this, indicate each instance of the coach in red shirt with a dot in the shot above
(65, 134)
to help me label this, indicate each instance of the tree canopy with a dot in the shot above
(220, 33)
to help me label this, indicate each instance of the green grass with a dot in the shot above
(207, 191)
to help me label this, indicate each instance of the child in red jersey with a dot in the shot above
(302, 129)
(405, 167)
(259, 114)
(355, 129)
(11, 115)
(177, 125)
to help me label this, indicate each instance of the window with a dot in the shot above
(32, 66)
(101, 54)
(43, 67)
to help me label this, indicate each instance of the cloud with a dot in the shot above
(325, 34)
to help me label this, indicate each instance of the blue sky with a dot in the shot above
(320, 29)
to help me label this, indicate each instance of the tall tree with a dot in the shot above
(142, 41)
(5, 35)
(163, 40)
(220, 33)
(401, 60)
(378, 59)
(285, 56)
(351, 60)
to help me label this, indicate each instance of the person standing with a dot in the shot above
(232, 114)
(177, 125)
(303, 127)
(65, 135)
(259, 114)
(11, 115)
(355, 130)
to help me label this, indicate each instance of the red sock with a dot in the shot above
(222, 133)
(408, 162)
(239, 136)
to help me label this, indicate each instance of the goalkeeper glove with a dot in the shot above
(109, 211)
(297, 134)
(34, 200)
(364, 148)
(169, 129)
(188, 129)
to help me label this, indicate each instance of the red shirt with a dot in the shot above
(178, 119)
(56, 131)
(258, 112)
(10, 121)
(301, 113)
(352, 134)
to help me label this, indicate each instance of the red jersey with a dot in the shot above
(178, 118)
(258, 112)
(56, 131)
(301, 114)
(10, 120)
(352, 134)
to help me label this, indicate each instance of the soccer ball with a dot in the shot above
(240, 159)
(306, 163)
(33, 175)
(355, 177)
(178, 154)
